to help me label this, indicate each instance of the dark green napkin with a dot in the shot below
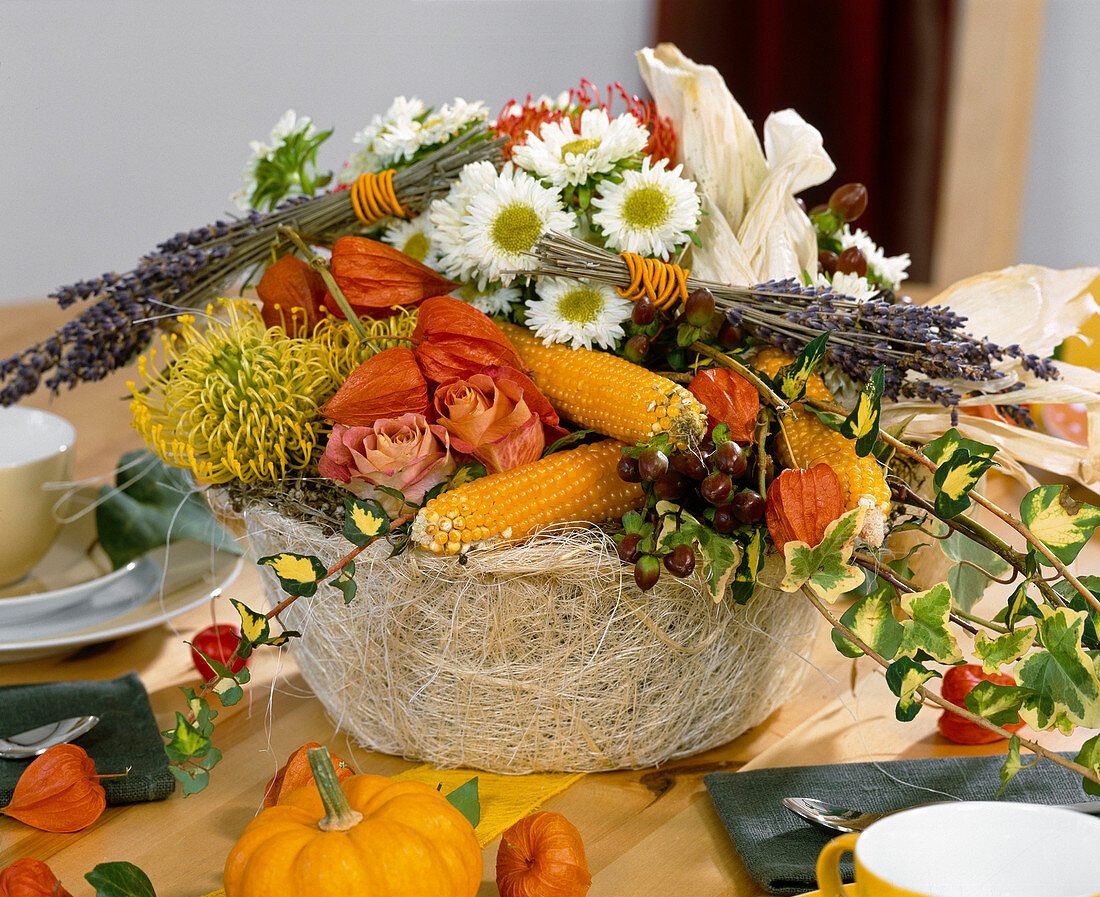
(127, 734)
(779, 849)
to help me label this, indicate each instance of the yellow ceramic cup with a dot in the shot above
(36, 448)
(970, 849)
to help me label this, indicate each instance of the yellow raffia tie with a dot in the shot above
(663, 283)
(373, 197)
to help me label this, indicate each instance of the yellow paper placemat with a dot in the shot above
(504, 799)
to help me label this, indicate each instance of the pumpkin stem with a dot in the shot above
(339, 815)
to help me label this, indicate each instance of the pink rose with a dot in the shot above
(489, 418)
(404, 453)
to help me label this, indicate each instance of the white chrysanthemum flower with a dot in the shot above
(447, 218)
(853, 285)
(891, 268)
(491, 300)
(404, 129)
(288, 124)
(579, 312)
(503, 223)
(565, 157)
(414, 238)
(650, 212)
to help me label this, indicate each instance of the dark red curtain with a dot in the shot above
(871, 75)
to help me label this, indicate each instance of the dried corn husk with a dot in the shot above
(753, 229)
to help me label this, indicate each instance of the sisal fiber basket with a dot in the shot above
(543, 656)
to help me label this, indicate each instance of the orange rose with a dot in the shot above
(490, 419)
(404, 453)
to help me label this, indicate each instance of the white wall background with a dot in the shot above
(1061, 225)
(124, 121)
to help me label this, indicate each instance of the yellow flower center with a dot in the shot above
(516, 228)
(645, 207)
(580, 146)
(416, 246)
(581, 306)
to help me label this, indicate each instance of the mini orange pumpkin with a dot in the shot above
(367, 835)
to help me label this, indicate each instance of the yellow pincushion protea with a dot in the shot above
(232, 399)
(344, 350)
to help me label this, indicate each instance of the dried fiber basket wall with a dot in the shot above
(537, 657)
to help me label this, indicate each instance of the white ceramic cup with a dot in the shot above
(970, 849)
(36, 448)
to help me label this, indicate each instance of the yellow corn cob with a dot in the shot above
(580, 485)
(811, 442)
(609, 394)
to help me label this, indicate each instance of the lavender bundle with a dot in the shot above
(925, 350)
(187, 269)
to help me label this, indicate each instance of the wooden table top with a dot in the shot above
(644, 830)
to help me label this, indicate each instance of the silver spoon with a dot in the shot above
(842, 819)
(36, 741)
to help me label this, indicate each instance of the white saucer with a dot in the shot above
(73, 598)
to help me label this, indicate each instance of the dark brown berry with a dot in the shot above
(671, 486)
(730, 458)
(636, 348)
(849, 201)
(652, 464)
(826, 261)
(647, 570)
(680, 561)
(628, 547)
(724, 521)
(716, 488)
(852, 261)
(731, 336)
(628, 470)
(748, 506)
(690, 465)
(699, 307)
(645, 312)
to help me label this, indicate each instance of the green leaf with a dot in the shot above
(967, 584)
(904, 676)
(943, 448)
(467, 473)
(120, 880)
(1000, 704)
(831, 419)
(1012, 764)
(721, 555)
(927, 628)
(1089, 756)
(567, 440)
(955, 479)
(465, 799)
(862, 423)
(790, 381)
(721, 435)
(364, 521)
(298, 574)
(1059, 521)
(871, 619)
(1063, 676)
(1008, 648)
(194, 779)
(752, 562)
(185, 741)
(825, 566)
(150, 504)
(345, 582)
(686, 335)
(1019, 606)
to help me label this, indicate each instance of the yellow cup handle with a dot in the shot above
(828, 864)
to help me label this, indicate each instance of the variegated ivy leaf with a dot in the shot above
(1063, 676)
(871, 619)
(905, 676)
(825, 566)
(1090, 635)
(256, 630)
(967, 583)
(345, 582)
(1019, 606)
(1000, 704)
(862, 424)
(1013, 764)
(752, 562)
(1059, 521)
(926, 629)
(1089, 756)
(944, 447)
(185, 741)
(1007, 648)
(721, 554)
(298, 574)
(790, 381)
(364, 521)
(955, 479)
